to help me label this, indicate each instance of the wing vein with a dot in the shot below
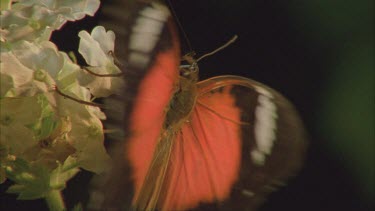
(226, 118)
(201, 125)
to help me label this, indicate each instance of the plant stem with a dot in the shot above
(55, 201)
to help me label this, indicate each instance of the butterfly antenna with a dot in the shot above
(180, 26)
(234, 38)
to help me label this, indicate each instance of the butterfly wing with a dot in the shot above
(205, 158)
(241, 141)
(150, 57)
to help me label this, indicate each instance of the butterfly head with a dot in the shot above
(189, 68)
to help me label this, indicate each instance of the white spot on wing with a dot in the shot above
(139, 60)
(143, 42)
(265, 126)
(148, 27)
(157, 11)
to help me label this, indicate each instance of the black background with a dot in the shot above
(276, 46)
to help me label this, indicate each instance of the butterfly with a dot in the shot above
(219, 144)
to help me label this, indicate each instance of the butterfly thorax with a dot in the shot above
(184, 97)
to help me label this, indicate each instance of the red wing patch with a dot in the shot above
(149, 114)
(205, 158)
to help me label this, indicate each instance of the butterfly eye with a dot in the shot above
(187, 70)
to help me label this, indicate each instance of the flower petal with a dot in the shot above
(105, 39)
(91, 50)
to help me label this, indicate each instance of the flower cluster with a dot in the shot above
(45, 137)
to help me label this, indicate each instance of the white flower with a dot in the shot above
(70, 9)
(68, 73)
(35, 20)
(29, 23)
(42, 56)
(86, 133)
(29, 69)
(15, 77)
(95, 49)
(16, 117)
(44, 136)
(88, 139)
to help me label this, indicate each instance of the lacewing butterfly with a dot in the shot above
(217, 144)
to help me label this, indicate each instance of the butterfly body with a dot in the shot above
(182, 102)
(221, 143)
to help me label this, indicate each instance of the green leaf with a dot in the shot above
(55, 201)
(15, 189)
(32, 181)
(72, 56)
(63, 173)
(48, 125)
(36, 181)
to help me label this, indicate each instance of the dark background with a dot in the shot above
(319, 54)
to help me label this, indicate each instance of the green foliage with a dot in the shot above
(32, 182)
(36, 181)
